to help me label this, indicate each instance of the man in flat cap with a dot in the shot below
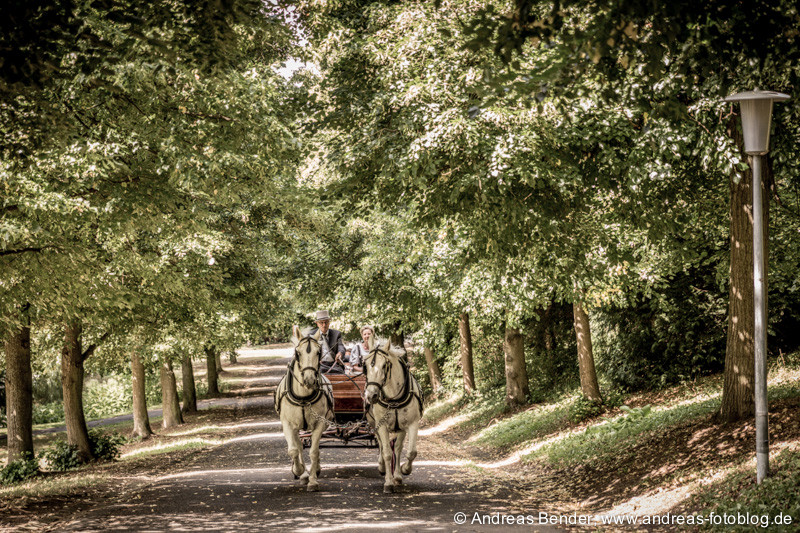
(332, 346)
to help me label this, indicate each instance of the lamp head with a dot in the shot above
(756, 118)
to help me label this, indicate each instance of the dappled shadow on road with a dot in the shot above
(267, 498)
(239, 479)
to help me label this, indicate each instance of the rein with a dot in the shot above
(406, 393)
(317, 391)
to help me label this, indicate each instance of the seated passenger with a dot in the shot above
(359, 351)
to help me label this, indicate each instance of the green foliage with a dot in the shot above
(584, 409)
(105, 446)
(107, 397)
(60, 456)
(778, 494)
(19, 470)
(675, 335)
(48, 413)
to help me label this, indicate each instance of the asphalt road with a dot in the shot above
(245, 485)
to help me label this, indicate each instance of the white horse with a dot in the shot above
(304, 401)
(395, 407)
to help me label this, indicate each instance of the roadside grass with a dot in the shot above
(54, 484)
(472, 412)
(737, 493)
(158, 448)
(442, 408)
(609, 437)
(530, 425)
(612, 435)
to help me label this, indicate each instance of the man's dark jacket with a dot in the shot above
(334, 338)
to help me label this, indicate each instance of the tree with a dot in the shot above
(680, 55)
(141, 419)
(19, 385)
(517, 390)
(466, 353)
(188, 389)
(170, 404)
(434, 371)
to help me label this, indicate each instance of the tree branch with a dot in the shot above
(90, 350)
(22, 250)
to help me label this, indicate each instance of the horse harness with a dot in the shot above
(409, 392)
(314, 396)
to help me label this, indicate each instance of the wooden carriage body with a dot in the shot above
(350, 426)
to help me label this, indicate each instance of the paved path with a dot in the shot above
(245, 485)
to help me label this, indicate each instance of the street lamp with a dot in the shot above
(756, 119)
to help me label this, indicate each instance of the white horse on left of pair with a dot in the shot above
(304, 401)
(395, 407)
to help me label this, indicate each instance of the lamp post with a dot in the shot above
(756, 119)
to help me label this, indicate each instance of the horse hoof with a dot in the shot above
(388, 489)
(296, 476)
(405, 471)
(312, 487)
(304, 478)
(382, 469)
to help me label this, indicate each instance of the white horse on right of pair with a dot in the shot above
(394, 401)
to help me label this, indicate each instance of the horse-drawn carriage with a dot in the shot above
(349, 425)
(311, 404)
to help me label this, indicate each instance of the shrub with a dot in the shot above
(61, 456)
(105, 446)
(48, 413)
(19, 470)
(584, 409)
(107, 397)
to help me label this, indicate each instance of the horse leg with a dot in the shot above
(413, 428)
(314, 469)
(295, 450)
(386, 455)
(381, 462)
(398, 453)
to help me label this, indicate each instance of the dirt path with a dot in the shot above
(245, 483)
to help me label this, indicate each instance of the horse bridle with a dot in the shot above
(371, 356)
(296, 358)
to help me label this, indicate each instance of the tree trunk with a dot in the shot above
(466, 353)
(141, 420)
(72, 374)
(211, 368)
(739, 375)
(232, 357)
(189, 392)
(218, 360)
(516, 374)
(589, 385)
(19, 393)
(170, 405)
(433, 370)
(397, 338)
